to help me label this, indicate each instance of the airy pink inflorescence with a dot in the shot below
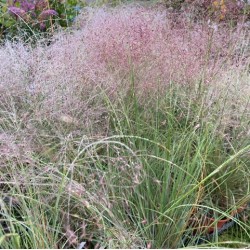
(103, 51)
(150, 42)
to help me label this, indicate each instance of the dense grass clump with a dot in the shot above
(129, 130)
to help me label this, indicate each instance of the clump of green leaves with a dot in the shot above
(34, 13)
(67, 10)
(31, 17)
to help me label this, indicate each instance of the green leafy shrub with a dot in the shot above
(67, 10)
(31, 17)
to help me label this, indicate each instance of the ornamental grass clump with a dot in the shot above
(101, 127)
(63, 82)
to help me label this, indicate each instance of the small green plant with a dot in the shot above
(67, 10)
(28, 17)
(32, 17)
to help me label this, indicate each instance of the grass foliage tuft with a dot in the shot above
(125, 131)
